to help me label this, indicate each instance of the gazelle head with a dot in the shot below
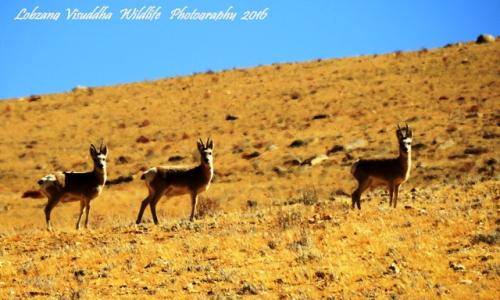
(99, 157)
(206, 152)
(404, 138)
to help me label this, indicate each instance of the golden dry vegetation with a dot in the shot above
(275, 223)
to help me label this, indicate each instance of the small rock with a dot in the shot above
(144, 123)
(142, 139)
(122, 160)
(359, 143)
(120, 179)
(298, 143)
(320, 116)
(272, 244)
(279, 171)
(248, 289)
(175, 158)
(457, 267)
(231, 118)
(335, 149)
(315, 160)
(446, 144)
(251, 203)
(34, 98)
(475, 150)
(419, 146)
(466, 281)
(293, 162)
(250, 155)
(393, 268)
(295, 95)
(485, 38)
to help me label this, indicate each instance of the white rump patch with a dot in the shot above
(150, 174)
(47, 181)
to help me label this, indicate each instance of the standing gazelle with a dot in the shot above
(390, 172)
(174, 181)
(74, 186)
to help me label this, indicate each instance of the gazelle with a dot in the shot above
(390, 172)
(76, 186)
(174, 181)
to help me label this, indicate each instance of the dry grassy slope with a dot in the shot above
(449, 96)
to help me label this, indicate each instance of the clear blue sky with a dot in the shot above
(38, 57)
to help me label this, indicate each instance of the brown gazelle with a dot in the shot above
(173, 181)
(390, 172)
(76, 186)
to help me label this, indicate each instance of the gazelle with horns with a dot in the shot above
(390, 172)
(76, 186)
(173, 181)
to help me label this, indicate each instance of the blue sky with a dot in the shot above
(38, 57)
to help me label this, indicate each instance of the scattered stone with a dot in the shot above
(144, 123)
(393, 269)
(248, 289)
(359, 143)
(250, 155)
(175, 158)
(320, 116)
(466, 281)
(485, 38)
(120, 179)
(34, 98)
(279, 171)
(315, 160)
(252, 203)
(335, 149)
(419, 146)
(231, 118)
(491, 162)
(490, 135)
(446, 144)
(475, 150)
(492, 238)
(82, 88)
(293, 162)
(457, 267)
(142, 139)
(122, 160)
(298, 143)
(35, 194)
(272, 244)
(295, 95)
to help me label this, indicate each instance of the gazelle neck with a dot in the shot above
(100, 175)
(405, 160)
(208, 169)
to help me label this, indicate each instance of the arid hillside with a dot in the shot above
(276, 222)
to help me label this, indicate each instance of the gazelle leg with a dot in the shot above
(194, 201)
(87, 211)
(48, 208)
(356, 195)
(144, 203)
(82, 206)
(391, 193)
(396, 190)
(152, 205)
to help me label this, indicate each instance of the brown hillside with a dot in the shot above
(271, 227)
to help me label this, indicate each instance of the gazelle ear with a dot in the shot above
(200, 145)
(104, 149)
(93, 150)
(398, 133)
(211, 144)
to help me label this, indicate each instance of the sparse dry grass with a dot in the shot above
(269, 226)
